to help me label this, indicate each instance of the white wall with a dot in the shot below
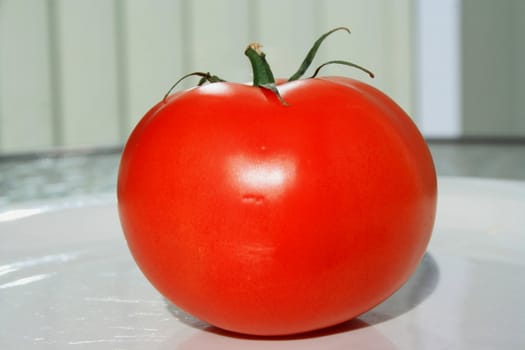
(438, 68)
(82, 72)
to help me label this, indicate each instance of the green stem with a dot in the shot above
(262, 73)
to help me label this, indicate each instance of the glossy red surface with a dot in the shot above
(269, 219)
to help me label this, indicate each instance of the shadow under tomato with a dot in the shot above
(353, 334)
(418, 288)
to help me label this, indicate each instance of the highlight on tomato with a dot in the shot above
(277, 208)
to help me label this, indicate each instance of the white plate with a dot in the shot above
(67, 281)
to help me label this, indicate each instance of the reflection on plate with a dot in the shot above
(67, 280)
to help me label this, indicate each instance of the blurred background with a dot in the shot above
(77, 75)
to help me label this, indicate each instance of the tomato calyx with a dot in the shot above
(262, 73)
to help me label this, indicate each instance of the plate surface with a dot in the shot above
(67, 280)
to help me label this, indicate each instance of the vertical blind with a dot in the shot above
(77, 73)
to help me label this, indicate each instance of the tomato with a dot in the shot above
(273, 218)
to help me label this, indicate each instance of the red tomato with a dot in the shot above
(268, 218)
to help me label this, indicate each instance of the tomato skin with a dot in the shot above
(268, 219)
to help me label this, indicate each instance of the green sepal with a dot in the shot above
(205, 77)
(345, 63)
(311, 54)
